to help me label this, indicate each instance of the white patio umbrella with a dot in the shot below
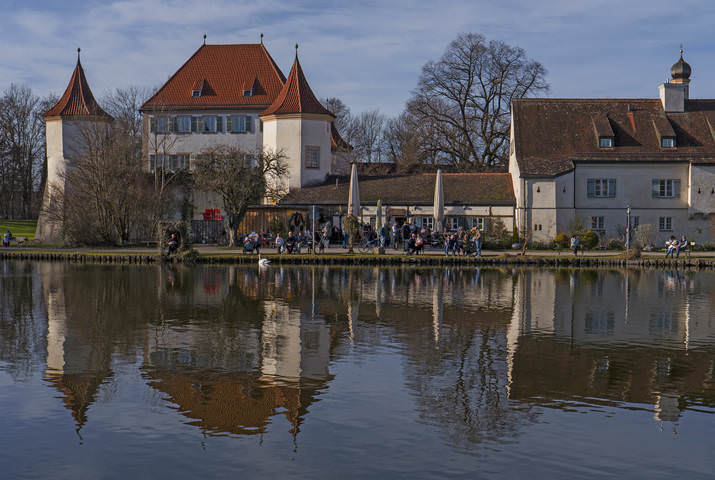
(354, 195)
(438, 202)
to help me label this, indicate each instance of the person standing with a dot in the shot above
(574, 244)
(478, 241)
(279, 244)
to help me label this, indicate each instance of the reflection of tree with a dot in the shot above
(22, 329)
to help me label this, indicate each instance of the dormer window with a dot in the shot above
(195, 93)
(248, 93)
(605, 142)
(667, 142)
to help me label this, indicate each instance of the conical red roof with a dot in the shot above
(296, 96)
(77, 99)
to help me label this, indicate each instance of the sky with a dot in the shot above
(367, 53)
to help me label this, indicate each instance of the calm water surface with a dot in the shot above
(161, 372)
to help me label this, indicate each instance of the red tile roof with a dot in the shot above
(336, 141)
(77, 99)
(552, 134)
(296, 96)
(228, 70)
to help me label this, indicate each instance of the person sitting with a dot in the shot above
(682, 246)
(411, 244)
(290, 242)
(671, 246)
(419, 245)
(574, 244)
(172, 244)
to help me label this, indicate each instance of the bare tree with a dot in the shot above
(22, 150)
(341, 111)
(241, 178)
(123, 104)
(102, 196)
(466, 96)
(365, 133)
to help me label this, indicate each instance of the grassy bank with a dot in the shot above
(19, 228)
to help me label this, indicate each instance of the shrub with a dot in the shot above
(590, 239)
(614, 244)
(561, 240)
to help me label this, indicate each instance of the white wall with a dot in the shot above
(702, 177)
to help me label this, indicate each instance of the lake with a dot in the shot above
(317, 372)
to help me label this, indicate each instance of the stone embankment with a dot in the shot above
(364, 260)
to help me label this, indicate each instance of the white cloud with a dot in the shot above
(369, 54)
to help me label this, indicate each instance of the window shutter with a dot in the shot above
(611, 187)
(591, 187)
(249, 123)
(152, 124)
(219, 124)
(676, 188)
(656, 188)
(229, 124)
(194, 124)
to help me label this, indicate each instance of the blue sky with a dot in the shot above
(367, 53)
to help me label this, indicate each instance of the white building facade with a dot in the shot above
(236, 96)
(596, 159)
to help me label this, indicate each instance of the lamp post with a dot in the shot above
(628, 227)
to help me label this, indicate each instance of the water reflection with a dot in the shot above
(232, 348)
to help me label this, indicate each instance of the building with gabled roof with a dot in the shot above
(237, 96)
(592, 159)
(65, 122)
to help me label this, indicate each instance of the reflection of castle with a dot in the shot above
(481, 346)
(635, 343)
(235, 386)
(78, 360)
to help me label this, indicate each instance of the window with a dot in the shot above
(667, 142)
(312, 157)
(605, 142)
(665, 224)
(598, 224)
(601, 187)
(666, 188)
(478, 222)
(195, 93)
(209, 124)
(157, 161)
(452, 223)
(248, 93)
(162, 124)
(239, 123)
(183, 124)
(427, 222)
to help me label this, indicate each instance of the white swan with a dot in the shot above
(263, 262)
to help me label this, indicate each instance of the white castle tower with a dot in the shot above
(299, 126)
(64, 124)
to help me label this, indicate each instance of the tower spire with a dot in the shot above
(261, 39)
(296, 51)
(78, 50)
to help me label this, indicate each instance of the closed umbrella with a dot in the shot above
(354, 195)
(438, 202)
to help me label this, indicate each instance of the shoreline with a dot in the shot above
(120, 257)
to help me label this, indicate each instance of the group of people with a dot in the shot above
(673, 246)
(464, 242)
(295, 243)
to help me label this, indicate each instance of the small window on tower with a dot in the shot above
(312, 157)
